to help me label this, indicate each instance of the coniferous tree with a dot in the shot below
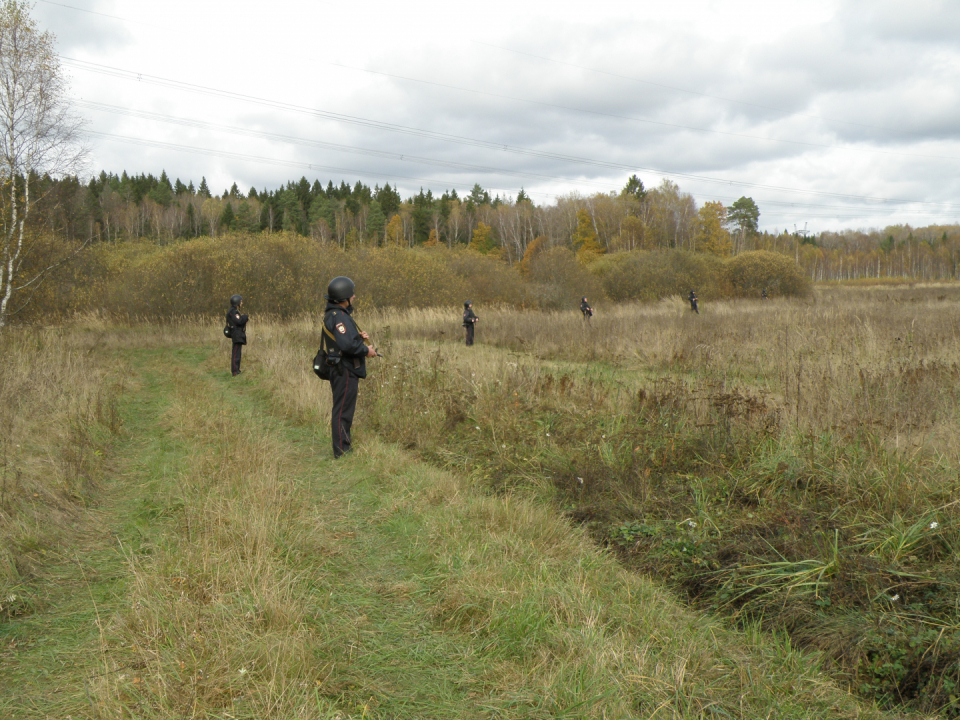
(388, 198)
(634, 188)
(203, 191)
(422, 214)
(376, 221)
(227, 217)
(478, 195)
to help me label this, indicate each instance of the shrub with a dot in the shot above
(750, 272)
(559, 281)
(652, 275)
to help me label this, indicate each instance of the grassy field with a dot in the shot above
(747, 513)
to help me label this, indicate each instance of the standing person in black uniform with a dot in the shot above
(469, 320)
(238, 332)
(692, 297)
(353, 351)
(585, 308)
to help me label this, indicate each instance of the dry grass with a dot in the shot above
(57, 416)
(276, 584)
(788, 460)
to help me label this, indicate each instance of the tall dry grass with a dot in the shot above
(57, 418)
(879, 358)
(789, 461)
(498, 563)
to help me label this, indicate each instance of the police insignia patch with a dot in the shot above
(341, 329)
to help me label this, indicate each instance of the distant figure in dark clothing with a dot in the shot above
(585, 308)
(692, 297)
(469, 320)
(238, 332)
(763, 294)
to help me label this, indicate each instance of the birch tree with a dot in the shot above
(39, 135)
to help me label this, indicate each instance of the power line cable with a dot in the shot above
(146, 142)
(186, 122)
(104, 107)
(362, 173)
(463, 140)
(647, 121)
(83, 10)
(696, 92)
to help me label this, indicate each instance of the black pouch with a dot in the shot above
(320, 367)
(226, 331)
(327, 360)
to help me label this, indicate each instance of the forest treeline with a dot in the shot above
(111, 208)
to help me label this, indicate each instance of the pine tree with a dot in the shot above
(634, 188)
(227, 217)
(478, 195)
(203, 191)
(376, 221)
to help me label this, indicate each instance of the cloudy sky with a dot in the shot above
(830, 114)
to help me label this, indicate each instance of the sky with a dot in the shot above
(830, 114)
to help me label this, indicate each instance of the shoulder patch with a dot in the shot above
(341, 329)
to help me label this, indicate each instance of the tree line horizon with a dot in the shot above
(111, 208)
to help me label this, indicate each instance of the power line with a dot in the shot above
(145, 142)
(104, 107)
(593, 70)
(647, 121)
(91, 12)
(463, 140)
(186, 122)
(696, 92)
(361, 173)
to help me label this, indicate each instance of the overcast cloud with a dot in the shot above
(832, 113)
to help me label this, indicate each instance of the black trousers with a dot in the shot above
(235, 358)
(469, 328)
(344, 387)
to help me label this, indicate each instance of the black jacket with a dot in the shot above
(353, 350)
(238, 326)
(469, 317)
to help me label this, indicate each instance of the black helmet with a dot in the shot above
(340, 289)
(235, 300)
(467, 304)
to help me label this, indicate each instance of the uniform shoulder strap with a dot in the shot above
(326, 330)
